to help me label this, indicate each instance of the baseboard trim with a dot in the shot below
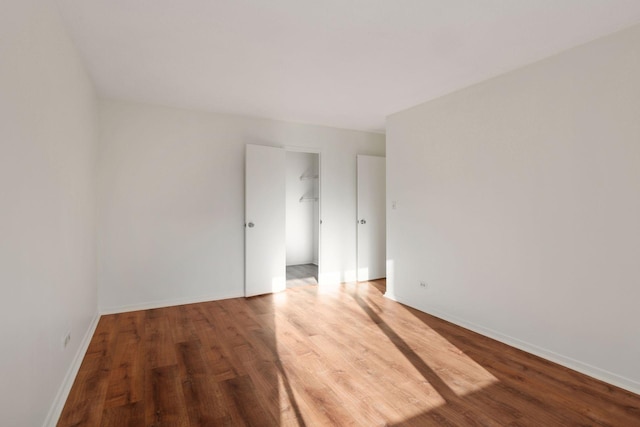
(166, 303)
(63, 392)
(391, 296)
(568, 362)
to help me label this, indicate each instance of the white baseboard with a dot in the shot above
(568, 362)
(63, 392)
(166, 303)
(391, 296)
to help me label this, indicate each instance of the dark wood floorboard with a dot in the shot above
(312, 356)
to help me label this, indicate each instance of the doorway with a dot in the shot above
(302, 217)
(267, 220)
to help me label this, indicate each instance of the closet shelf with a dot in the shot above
(306, 177)
(308, 199)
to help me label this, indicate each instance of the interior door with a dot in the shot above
(265, 238)
(371, 218)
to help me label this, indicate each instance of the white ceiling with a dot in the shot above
(342, 63)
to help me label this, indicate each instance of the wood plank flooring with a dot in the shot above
(316, 357)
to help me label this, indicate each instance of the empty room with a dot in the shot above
(319, 213)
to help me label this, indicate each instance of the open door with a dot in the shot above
(265, 244)
(371, 218)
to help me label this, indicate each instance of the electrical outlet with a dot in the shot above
(66, 340)
(423, 284)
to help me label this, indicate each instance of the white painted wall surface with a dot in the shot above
(518, 202)
(301, 217)
(171, 204)
(47, 228)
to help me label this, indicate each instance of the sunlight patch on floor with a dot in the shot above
(280, 299)
(401, 330)
(389, 352)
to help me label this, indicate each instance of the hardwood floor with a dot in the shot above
(316, 357)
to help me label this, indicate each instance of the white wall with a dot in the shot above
(171, 208)
(518, 201)
(302, 226)
(47, 238)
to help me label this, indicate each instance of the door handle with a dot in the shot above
(250, 225)
(362, 221)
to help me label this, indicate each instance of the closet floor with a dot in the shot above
(302, 275)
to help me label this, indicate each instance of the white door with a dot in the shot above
(265, 238)
(371, 218)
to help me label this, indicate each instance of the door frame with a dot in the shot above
(318, 151)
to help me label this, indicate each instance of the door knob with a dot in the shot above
(362, 221)
(250, 225)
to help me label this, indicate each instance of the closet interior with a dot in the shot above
(302, 217)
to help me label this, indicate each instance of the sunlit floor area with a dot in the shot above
(315, 357)
(302, 275)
